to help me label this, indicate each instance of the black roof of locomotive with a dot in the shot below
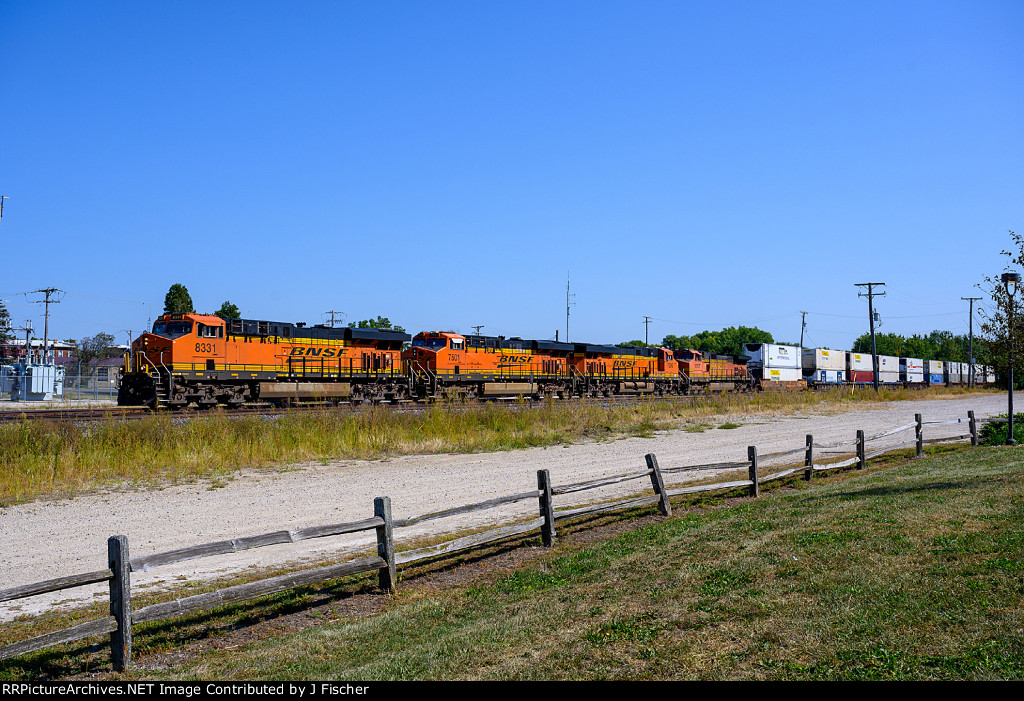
(251, 327)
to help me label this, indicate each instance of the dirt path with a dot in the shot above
(43, 540)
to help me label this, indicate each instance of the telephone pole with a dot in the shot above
(970, 351)
(647, 326)
(568, 303)
(803, 325)
(332, 313)
(871, 294)
(46, 323)
(478, 327)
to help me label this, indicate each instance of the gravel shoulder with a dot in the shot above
(48, 539)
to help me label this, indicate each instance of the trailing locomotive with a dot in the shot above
(202, 359)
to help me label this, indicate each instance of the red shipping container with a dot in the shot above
(860, 376)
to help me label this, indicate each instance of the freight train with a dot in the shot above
(209, 361)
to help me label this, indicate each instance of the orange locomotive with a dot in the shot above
(446, 364)
(706, 372)
(207, 360)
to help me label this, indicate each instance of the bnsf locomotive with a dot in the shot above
(206, 360)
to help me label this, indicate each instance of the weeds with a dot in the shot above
(44, 459)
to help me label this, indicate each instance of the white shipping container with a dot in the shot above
(770, 355)
(823, 359)
(912, 364)
(912, 376)
(782, 374)
(889, 376)
(860, 361)
(934, 367)
(832, 377)
(888, 363)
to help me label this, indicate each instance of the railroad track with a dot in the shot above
(93, 414)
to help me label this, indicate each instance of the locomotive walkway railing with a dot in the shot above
(122, 617)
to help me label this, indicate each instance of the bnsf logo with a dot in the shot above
(515, 358)
(623, 363)
(316, 352)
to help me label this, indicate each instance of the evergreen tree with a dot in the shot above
(178, 300)
(5, 324)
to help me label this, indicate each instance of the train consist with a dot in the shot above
(209, 361)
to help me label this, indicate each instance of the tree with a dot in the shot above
(178, 300)
(95, 348)
(5, 324)
(381, 322)
(1001, 326)
(228, 311)
(728, 341)
(676, 342)
(635, 344)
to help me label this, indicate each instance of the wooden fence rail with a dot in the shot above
(118, 573)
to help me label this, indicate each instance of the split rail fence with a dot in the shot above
(118, 624)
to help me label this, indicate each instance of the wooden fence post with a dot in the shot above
(547, 509)
(974, 428)
(659, 484)
(809, 458)
(919, 431)
(861, 462)
(755, 488)
(120, 602)
(388, 576)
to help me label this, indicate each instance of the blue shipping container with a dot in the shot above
(936, 379)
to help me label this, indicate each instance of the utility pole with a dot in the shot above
(803, 325)
(478, 327)
(970, 351)
(871, 294)
(46, 323)
(2, 198)
(332, 313)
(568, 303)
(647, 326)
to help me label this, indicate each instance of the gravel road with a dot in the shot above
(43, 540)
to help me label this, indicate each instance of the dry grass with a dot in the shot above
(41, 459)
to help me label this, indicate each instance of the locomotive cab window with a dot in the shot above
(172, 330)
(431, 343)
(205, 331)
(456, 345)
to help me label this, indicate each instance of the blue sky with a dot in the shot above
(449, 164)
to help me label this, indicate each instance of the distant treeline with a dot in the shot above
(938, 345)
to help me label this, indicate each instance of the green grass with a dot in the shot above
(915, 572)
(42, 459)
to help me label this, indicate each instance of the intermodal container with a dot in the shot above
(770, 355)
(911, 370)
(782, 374)
(888, 363)
(860, 361)
(953, 373)
(827, 377)
(861, 376)
(888, 377)
(823, 359)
